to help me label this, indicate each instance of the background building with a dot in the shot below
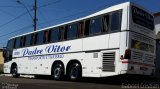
(157, 22)
(157, 28)
(1, 60)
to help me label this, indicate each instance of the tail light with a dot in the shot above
(127, 54)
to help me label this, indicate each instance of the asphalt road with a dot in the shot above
(122, 82)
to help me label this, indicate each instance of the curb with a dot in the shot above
(5, 75)
(24, 76)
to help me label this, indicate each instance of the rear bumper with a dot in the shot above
(138, 68)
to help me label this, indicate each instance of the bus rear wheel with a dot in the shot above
(58, 71)
(14, 72)
(75, 72)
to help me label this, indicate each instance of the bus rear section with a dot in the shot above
(141, 52)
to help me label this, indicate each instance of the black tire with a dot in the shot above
(58, 72)
(14, 72)
(75, 72)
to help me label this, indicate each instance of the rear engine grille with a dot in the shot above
(137, 55)
(108, 62)
(142, 56)
(149, 58)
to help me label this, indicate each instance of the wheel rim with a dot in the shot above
(14, 71)
(74, 73)
(57, 72)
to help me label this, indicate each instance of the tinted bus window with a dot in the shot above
(80, 29)
(86, 30)
(143, 18)
(55, 35)
(40, 37)
(21, 41)
(62, 33)
(95, 26)
(27, 40)
(46, 36)
(72, 31)
(116, 21)
(10, 44)
(17, 42)
(106, 23)
(33, 38)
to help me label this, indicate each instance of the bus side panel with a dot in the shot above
(114, 40)
(75, 45)
(6, 67)
(23, 64)
(44, 66)
(92, 61)
(95, 43)
(92, 64)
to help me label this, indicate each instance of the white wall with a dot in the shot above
(157, 24)
(157, 61)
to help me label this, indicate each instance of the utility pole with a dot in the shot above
(35, 15)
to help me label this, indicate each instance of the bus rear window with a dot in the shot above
(142, 46)
(142, 18)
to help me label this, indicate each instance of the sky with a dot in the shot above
(17, 18)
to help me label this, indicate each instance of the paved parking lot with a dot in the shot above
(7, 82)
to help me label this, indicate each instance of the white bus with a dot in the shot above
(117, 40)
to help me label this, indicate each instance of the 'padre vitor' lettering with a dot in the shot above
(48, 49)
